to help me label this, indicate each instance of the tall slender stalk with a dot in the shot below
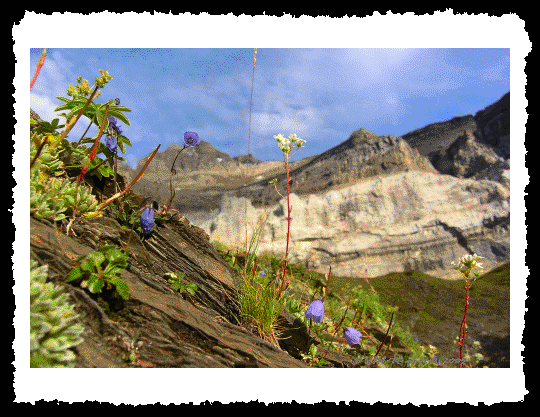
(39, 65)
(465, 265)
(288, 228)
(249, 136)
(462, 326)
(131, 184)
(173, 171)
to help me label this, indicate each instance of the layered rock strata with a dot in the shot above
(405, 221)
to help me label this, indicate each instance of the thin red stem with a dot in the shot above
(288, 229)
(462, 326)
(39, 65)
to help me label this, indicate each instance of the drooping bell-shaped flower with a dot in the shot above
(113, 124)
(147, 221)
(191, 139)
(112, 144)
(352, 336)
(315, 311)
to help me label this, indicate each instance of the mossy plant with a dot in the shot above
(54, 327)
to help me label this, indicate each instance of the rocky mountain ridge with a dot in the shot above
(374, 204)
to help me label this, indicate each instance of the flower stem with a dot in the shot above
(173, 171)
(462, 326)
(82, 137)
(288, 228)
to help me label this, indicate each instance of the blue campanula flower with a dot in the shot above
(191, 139)
(262, 274)
(147, 221)
(112, 144)
(112, 120)
(113, 123)
(315, 311)
(352, 336)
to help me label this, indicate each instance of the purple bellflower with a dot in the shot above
(352, 336)
(147, 221)
(315, 311)
(191, 139)
(112, 144)
(113, 123)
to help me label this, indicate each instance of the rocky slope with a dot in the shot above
(160, 326)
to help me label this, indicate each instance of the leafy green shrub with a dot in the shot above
(53, 323)
(100, 268)
(175, 279)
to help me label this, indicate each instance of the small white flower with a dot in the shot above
(279, 137)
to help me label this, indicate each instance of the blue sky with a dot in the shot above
(321, 94)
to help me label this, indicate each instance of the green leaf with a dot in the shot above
(105, 171)
(65, 106)
(64, 99)
(74, 274)
(120, 108)
(122, 288)
(115, 113)
(95, 284)
(191, 288)
(122, 147)
(74, 111)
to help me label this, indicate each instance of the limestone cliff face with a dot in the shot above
(400, 222)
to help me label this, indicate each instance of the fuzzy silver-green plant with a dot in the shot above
(53, 198)
(54, 328)
(48, 160)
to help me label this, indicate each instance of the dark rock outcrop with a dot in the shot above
(494, 125)
(465, 157)
(484, 136)
(246, 159)
(430, 140)
(161, 326)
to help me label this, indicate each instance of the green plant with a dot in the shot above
(54, 328)
(285, 146)
(53, 198)
(311, 357)
(175, 279)
(259, 304)
(101, 267)
(465, 265)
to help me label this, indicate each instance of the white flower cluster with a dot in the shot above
(285, 144)
(468, 262)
